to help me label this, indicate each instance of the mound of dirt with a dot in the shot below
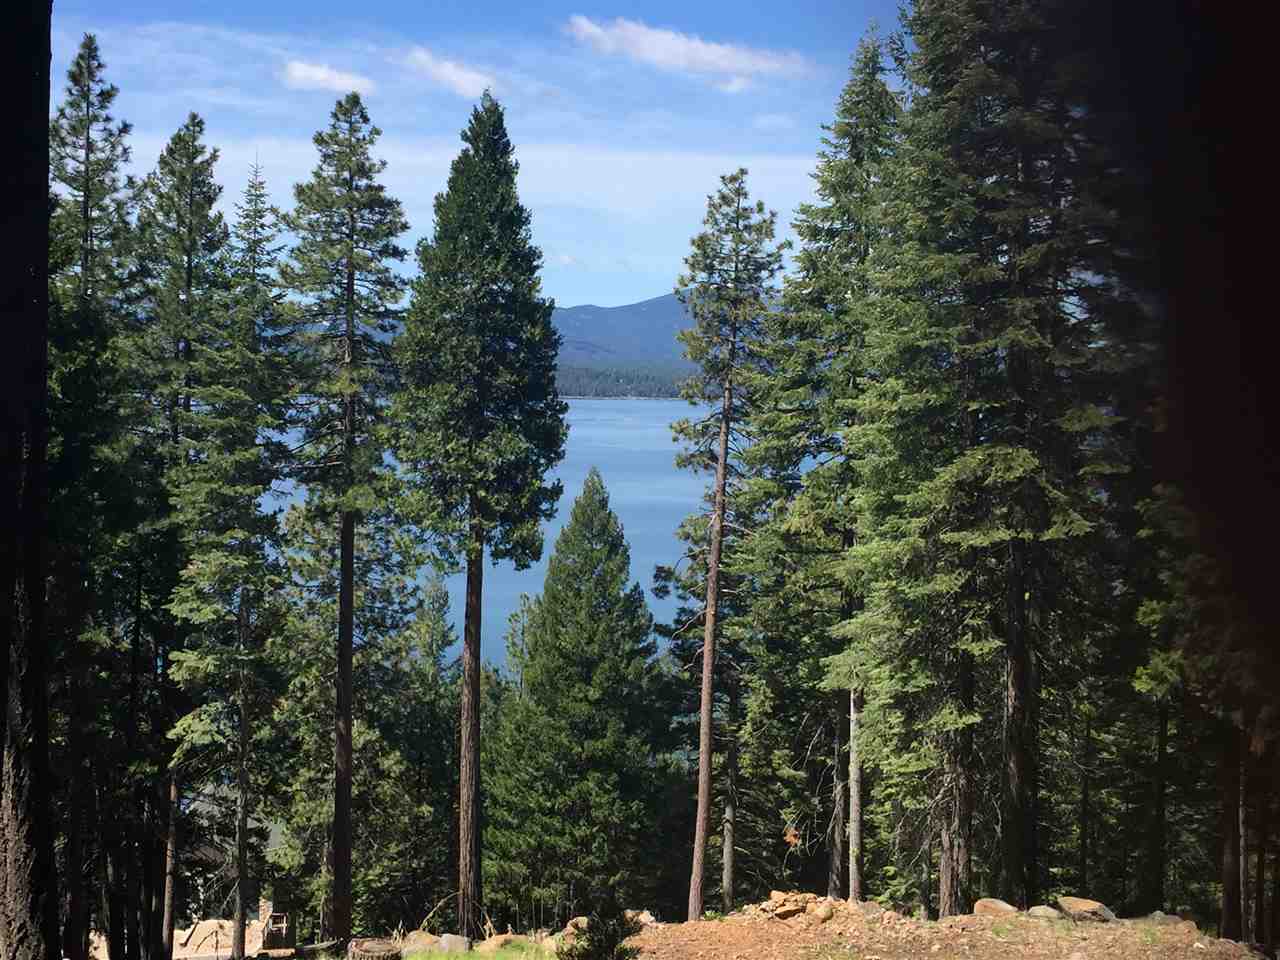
(797, 925)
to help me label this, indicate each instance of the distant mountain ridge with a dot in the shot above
(635, 336)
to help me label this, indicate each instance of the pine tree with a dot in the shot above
(571, 769)
(806, 477)
(180, 279)
(341, 270)
(727, 288)
(88, 150)
(88, 491)
(479, 422)
(229, 590)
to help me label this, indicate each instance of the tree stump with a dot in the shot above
(371, 949)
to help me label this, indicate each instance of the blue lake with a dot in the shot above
(629, 442)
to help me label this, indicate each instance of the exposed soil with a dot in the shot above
(851, 934)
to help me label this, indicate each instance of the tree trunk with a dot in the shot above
(855, 799)
(342, 760)
(703, 818)
(1156, 866)
(1273, 931)
(1243, 861)
(1261, 799)
(170, 870)
(1018, 823)
(1085, 809)
(76, 930)
(28, 878)
(1229, 926)
(342, 741)
(112, 908)
(839, 797)
(730, 801)
(954, 893)
(242, 820)
(469, 763)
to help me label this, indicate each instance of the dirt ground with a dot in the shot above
(851, 935)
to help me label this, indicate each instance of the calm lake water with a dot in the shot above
(629, 442)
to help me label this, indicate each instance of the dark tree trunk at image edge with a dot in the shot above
(242, 808)
(28, 881)
(469, 762)
(1229, 925)
(708, 661)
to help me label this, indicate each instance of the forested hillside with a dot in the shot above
(951, 625)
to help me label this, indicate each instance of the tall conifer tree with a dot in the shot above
(479, 421)
(728, 288)
(229, 590)
(340, 269)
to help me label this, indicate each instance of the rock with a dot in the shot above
(640, 916)
(870, 908)
(777, 896)
(789, 908)
(1043, 912)
(453, 943)
(824, 911)
(1162, 918)
(1078, 908)
(419, 940)
(991, 907)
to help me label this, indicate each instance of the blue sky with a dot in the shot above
(623, 116)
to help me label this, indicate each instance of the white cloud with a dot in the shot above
(463, 80)
(684, 53)
(772, 121)
(316, 76)
(564, 260)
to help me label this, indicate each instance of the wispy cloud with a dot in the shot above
(463, 80)
(301, 75)
(734, 66)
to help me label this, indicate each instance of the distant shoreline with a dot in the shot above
(617, 397)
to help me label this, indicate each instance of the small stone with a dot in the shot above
(824, 911)
(788, 909)
(777, 896)
(1162, 918)
(991, 907)
(453, 943)
(1044, 912)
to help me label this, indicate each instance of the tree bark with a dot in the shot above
(1243, 833)
(1273, 930)
(839, 797)
(1018, 823)
(1085, 808)
(342, 760)
(954, 893)
(28, 879)
(170, 870)
(855, 798)
(469, 763)
(1229, 924)
(242, 823)
(716, 532)
(341, 915)
(1156, 867)
(1261, 799)
(730, 802)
